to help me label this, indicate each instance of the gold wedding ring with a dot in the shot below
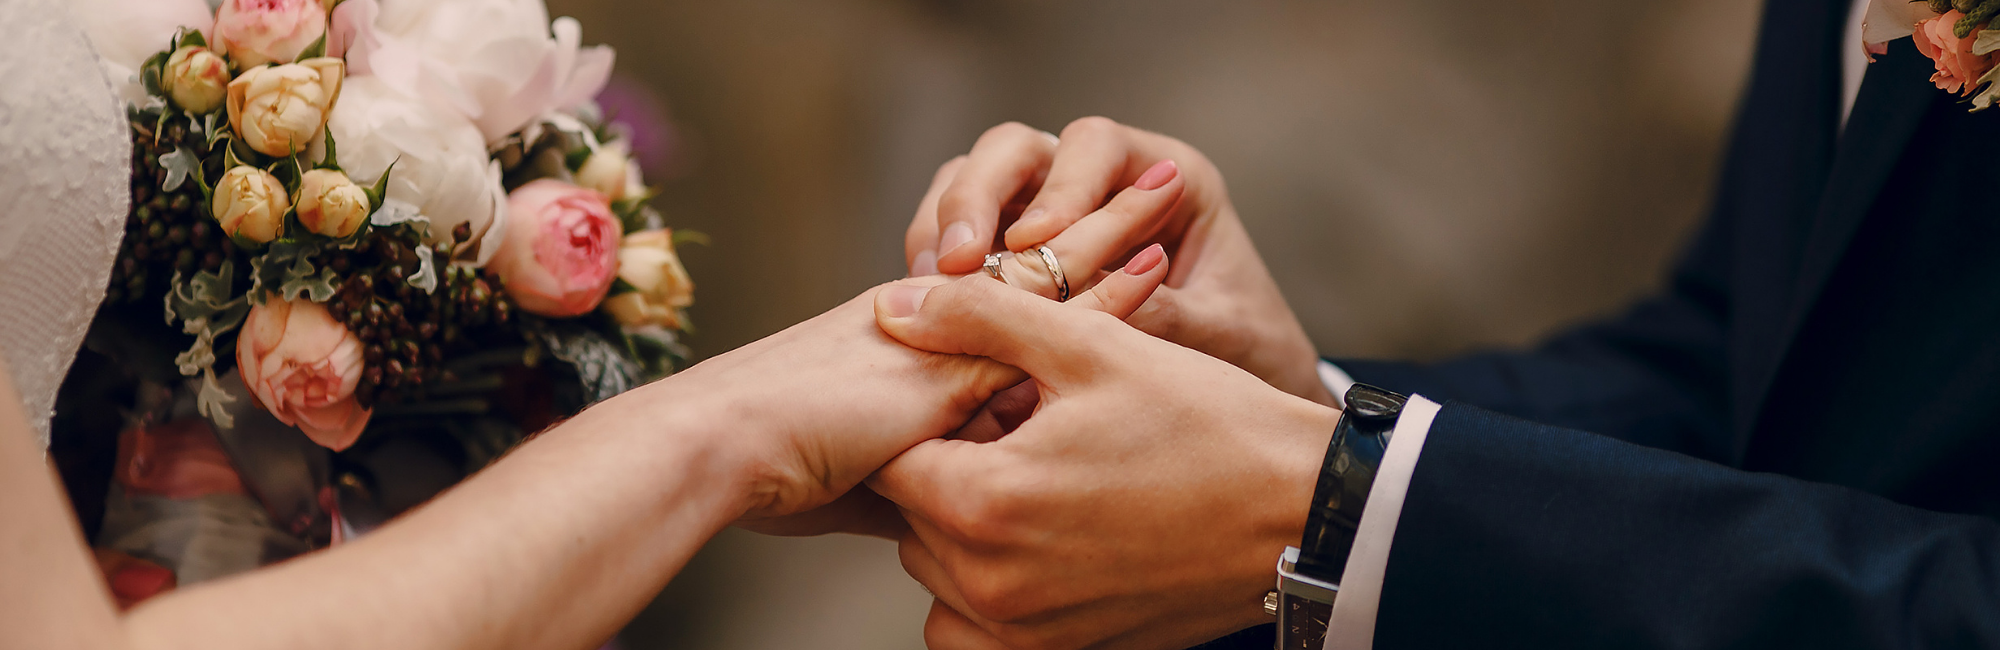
(1055, 271)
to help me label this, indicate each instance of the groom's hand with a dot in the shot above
(823, 404)
(1142, 506)
(1220, 300)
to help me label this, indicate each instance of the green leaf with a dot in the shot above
(1989, 89)
(691, 237)
(237, 155)
(602, 366)
(190, 37)
(426, 277)
(153, 72)
(214, 134)
(314, 51)
(179, 165)
(214, 402)
(619, 285)
(331, 161)
(575, 159)
(317, 288)
(381, 189)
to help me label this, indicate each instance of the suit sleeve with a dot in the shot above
(1515, 534)
(1655, 375)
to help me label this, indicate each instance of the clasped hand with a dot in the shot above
(1056, 477)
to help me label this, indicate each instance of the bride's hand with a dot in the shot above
(1220, 300)
(816, 408)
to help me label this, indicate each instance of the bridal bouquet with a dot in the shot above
(365, 220)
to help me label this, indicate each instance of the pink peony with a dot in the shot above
(561, 248)
(302, 366)
(1958, 69)
(256, 32)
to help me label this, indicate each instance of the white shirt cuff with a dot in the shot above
(1336, 380)
(1352, 626)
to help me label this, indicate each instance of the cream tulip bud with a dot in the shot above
(279, 110)
(196, 79)
(330, 204)
(607, 170)
(250, 203)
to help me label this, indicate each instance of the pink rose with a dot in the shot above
(561, 248)
(302, 366)
(256, 32)
(1958, 69)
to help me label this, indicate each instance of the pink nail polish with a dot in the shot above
(1158, 176)
(1146, 260)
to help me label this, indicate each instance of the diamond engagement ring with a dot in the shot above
(992, 268)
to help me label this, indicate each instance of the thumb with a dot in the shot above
(978, 316)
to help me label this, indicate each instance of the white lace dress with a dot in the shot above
(64, 168)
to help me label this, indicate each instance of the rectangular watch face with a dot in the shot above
(1302, 623)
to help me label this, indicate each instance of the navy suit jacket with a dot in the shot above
(1795, 444)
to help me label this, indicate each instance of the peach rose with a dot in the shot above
(256, 32)
(660, 285)
(302, 366)
(561, 248)
(279, 110)
(1958, 69)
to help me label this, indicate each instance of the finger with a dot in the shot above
(920, 242)
(1121, 294)
(979, 317)
(860, 512)
(924, 567)
(1008, 160)
(1095, 157)
(1103, 237)
(925, 479)
(1131, 219)
(946, 629)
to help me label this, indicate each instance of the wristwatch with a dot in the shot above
(1309, 574)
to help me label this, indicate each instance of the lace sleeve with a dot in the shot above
(64, 166)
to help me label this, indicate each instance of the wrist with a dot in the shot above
(689, 438)
(1292, 459)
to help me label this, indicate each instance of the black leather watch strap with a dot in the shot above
(1345, 477)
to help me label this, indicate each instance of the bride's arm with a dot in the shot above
(551, 547)
(560, 542)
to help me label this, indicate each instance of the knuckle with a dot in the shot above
(990, 511)
(1009, 130)
(995, 598)
(1093, 126)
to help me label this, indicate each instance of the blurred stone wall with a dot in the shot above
(1423, 178)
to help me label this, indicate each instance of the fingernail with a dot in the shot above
(1158, 176)
(955, 236)
(1032, 216)
(905, 300)
(1146, 260)
(925, 264)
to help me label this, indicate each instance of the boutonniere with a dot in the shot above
(1953, 33)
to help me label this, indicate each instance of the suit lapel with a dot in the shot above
(1895, 94)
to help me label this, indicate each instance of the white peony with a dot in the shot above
(442, 166)
(126, 32)
(501, 62)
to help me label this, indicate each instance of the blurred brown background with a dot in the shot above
(1423, 178)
